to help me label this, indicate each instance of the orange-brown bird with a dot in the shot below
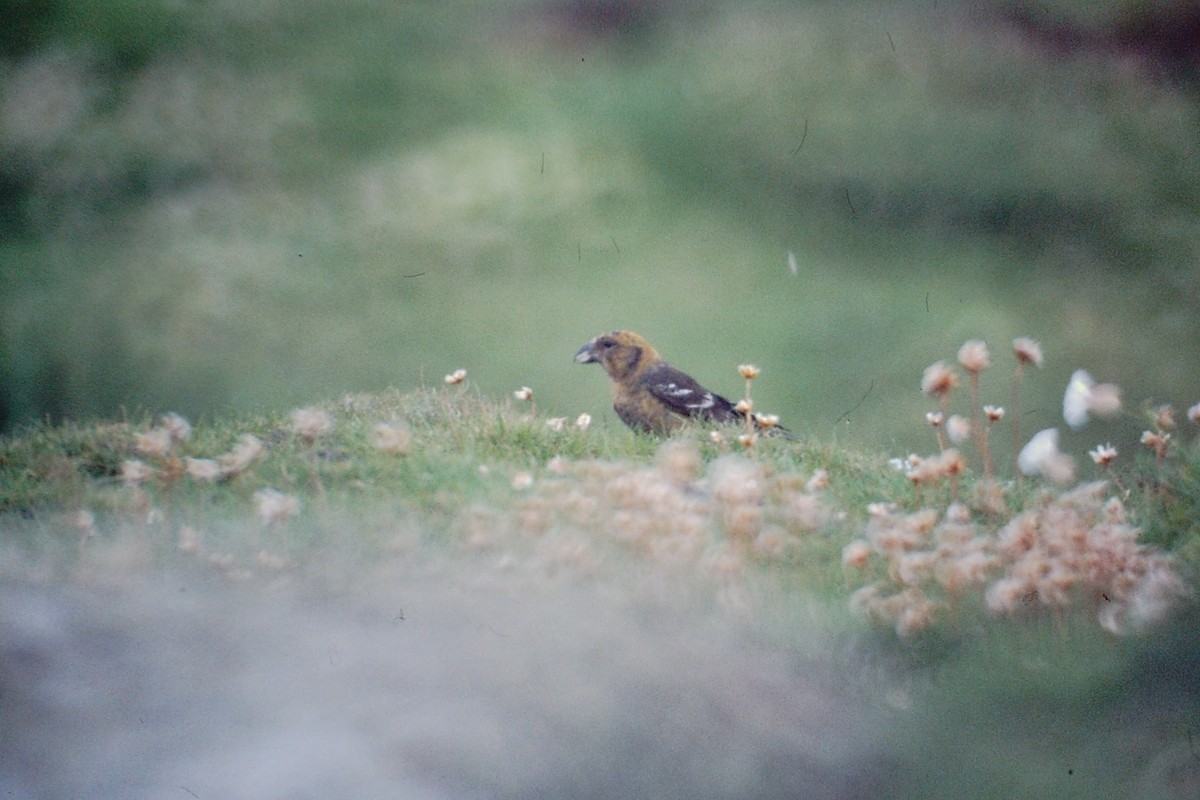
(648, 393)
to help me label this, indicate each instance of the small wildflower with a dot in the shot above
(177, 426)
(393, 439)
(311, 424)
(744, 406)
(154, 443)
(958, 429)
(993, 413)
(274, 506)
(1164, 418)
(716, 437)
(1027, 351)
(456, 377)
(583, 421)
(1075, 400)
(974, 356)
(1193, 413)
(134, 472)
(202, 469)
(248, 450)
(856, 554)
(939, 379)
(1034, 454)
(556, 423)
(1104, 454)
(1085, 397)
(524, 393)
(748, 440)
(767, 421)
(1156, 441)
(748, 371)
(935, 418)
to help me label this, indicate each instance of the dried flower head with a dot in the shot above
(993, 413)
(176, 426)
(767, 421)
(203, 469)
(856, 554)
(935, 418)
(556, 423)
(1156, 441)
(390, 438)
(274, 507)
(958, 429)
(1027, 351)
(248, 450)
(939, 379)
(1104, 454)
(311, 423)
(1164, 418)
(744, 406)
(748, 440)
(456, 377)
(974, 356)
(583, 421)
(524, 393)
(1193, 413)
(749, 371)
(154, 443)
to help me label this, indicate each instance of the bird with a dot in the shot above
(651, 396)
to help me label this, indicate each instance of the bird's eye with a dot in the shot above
(607, 344)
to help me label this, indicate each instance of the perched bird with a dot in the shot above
(648, 393)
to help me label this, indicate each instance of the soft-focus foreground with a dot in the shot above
(435, 595)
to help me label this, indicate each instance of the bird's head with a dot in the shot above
(619, 352)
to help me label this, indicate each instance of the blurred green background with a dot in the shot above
(215, 205)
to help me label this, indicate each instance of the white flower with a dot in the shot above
(583, 421)
(1103, 454)
(1076, 399)
(1085, 397)
(1037, 450)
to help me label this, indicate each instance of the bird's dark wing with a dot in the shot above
(681, 395)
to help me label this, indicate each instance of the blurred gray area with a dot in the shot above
(413, 684)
